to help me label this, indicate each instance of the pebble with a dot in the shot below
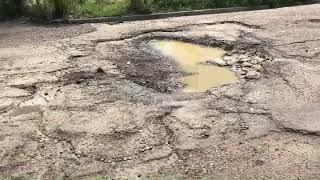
(253, 61)
(100, 70)
(219, 62)
(245, 69)
(258, 59)
(242, 72)
(230, 60)
(246, 64)
(242, 56)
(257, 67)
(244, 60)
(253, 75)
(242, 51)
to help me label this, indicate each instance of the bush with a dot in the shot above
(10, 8)
(50, 9)
(104, 7)
(64, 7)
(141, 6)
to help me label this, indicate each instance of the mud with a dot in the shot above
(106, 104)
(191, 58)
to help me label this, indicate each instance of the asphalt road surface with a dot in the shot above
(95, 99)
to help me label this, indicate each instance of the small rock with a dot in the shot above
(219, 62)
(245, 69)
(230, 60)
(246, 64)
(253, 75)
(100, 70)
(242, 56)
(241, 51)
(234, 68)
(258, 59)
(204, 135)
(128, 63)
(227, 58)
(229, 53)
(244, 59)
(46, 94)
(257, 67)
(259, 162)
(242, 72)
(253, 61)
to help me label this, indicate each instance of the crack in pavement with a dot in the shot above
(297, 42)
(170, 30)
(115, 123)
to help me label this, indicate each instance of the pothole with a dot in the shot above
(195, 60)
(142, 63)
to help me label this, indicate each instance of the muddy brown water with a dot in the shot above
(190, 58)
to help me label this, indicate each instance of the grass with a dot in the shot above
(104, 8)
(98, 8)
(48, 9)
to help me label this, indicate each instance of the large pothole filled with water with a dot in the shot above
(168, 64)
(193, 59)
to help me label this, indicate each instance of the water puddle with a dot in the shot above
(190, 58)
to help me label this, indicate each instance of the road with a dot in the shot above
(95, 99)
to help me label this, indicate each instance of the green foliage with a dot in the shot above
(10, 8)
(104, 7)
(63, 7)
(164, 5)
(279, 3)
(142, 6)
(173, 5)
(48, 9)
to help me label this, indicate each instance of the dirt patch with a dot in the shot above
(193, 59)
(82, 77)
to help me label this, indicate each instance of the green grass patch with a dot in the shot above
(51, 9)
(104, 8)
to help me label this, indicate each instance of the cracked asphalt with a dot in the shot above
(89, 100)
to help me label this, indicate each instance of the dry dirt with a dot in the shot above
(79, 103)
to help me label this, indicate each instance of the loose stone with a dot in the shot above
(242, 72)
(253, 75)
(218, 63)
(230, 60)
(245, 69)
(258, 59)
(246, 64)
(257, 67)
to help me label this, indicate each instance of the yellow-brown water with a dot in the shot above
(190, 58)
